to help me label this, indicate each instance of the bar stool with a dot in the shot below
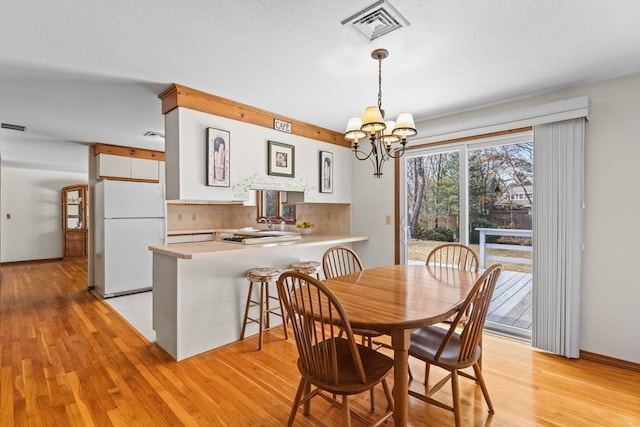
(307, 267)
(264, 276)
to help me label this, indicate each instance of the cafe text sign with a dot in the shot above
(281, 126)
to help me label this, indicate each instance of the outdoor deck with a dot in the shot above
(511, 302)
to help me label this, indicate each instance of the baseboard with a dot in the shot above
(618, 363)
(31, 261)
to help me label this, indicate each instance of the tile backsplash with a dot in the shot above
(329, 219)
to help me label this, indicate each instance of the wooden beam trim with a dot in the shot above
(182, 96)
(118, 150)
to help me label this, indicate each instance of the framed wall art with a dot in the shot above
(326, 172)
(281, 159)
(218, 150)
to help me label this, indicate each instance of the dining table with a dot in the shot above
(397, 299)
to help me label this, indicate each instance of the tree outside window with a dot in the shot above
(272, 204)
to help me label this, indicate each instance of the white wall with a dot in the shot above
(32, 197)
(372, 201)
(186, 160)
(610, 285)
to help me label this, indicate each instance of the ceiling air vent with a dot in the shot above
(376, 20)
(12, 127)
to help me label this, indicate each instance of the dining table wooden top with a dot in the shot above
(395, 300)
(401, 296)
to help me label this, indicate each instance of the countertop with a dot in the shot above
(214, 248)
(191, 231)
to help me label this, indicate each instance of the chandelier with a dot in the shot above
(382, 134)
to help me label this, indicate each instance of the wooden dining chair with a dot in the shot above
(454, 255)
(328, 362)
(341, 260)
(453, 350)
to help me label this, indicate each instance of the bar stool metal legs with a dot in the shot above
(263, 276)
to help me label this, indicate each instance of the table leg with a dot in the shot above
(400, 341)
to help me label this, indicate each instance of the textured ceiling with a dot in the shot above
(84, 71)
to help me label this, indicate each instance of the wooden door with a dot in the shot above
(74, 221)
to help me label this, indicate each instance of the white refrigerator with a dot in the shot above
(128, 217)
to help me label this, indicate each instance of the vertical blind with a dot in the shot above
(557, 236)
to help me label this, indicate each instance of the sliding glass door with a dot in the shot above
(433, 201)
(479, 193)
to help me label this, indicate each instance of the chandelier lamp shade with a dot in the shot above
(382, 134)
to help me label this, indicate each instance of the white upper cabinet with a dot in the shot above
(145, 169)
(110, 166)
(131, 164)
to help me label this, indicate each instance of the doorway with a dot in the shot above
(480, 193)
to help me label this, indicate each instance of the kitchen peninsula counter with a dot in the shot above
(200, 288)
(218, 248)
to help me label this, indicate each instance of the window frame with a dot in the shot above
(260, 208)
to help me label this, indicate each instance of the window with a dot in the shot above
(272, 204)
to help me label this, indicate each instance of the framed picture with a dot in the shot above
(326, 172)
(281, 159)
(218, 149)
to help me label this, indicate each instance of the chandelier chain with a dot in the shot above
(380, 85)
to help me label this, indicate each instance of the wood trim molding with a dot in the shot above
(470, 138)
(119, 178)
(118, 150)
(181, 96)
(618, 363)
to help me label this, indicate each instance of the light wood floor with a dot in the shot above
(68, 359)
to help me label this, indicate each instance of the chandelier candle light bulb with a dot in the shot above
(382, 134)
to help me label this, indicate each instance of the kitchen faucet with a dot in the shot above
(267, 221)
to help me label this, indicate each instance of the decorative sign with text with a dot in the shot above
(281, 126)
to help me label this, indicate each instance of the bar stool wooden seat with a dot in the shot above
(264, 276)
(307, 267)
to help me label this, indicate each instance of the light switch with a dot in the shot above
(8, 216)
(387, 220)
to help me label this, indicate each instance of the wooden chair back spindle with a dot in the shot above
(454, 255)
(340, 260)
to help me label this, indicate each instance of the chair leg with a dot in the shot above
(483, 386)
(267, 308)
(389, 395)
(296, 401)
(371, 394)
(307, 403)
(346, 413)
(455, 390)
(427, 367)
(285, 318)
(261, 324)
(246, 311)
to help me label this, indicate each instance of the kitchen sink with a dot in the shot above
(276, 233)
